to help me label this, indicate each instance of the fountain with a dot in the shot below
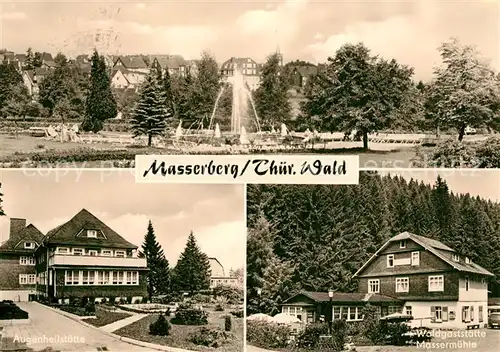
(240, 114)
(217, 131)
(243, 136)
(178, 131)
(284, 130)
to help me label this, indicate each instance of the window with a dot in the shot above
(91, 233)
(120, 254)
(23, 260)
(62, 250)
(438, 313)
(103, 278)
(129, 277)
(85, 278)
(480, 314)
(120, 278)
(115, 277)
(408, 310)
(293, 311)
(436, 283)
(91, 277)
(467, 260)
(72, 277)
(402, 244)
(29, 245)
(466, 314)
(77, 251)
(390, 261)
(393, 309)
(402, 284)
(92, 252)
(415, 258)
(466, 283)
(483, 281)
(106, 252)
(347, 313)
(337, 313)
(23, 279)
(374, 286)
(455, 258)
(135, 278)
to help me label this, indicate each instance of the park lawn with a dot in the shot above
(106, 317)
(179, 334)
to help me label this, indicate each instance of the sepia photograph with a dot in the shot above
(400, 83)
(404, 261)
(95, 262)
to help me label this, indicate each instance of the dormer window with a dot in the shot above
(92, 233)
(455, 258)
(467, 260)
(120, 254)
(402, 244)
(77, 251)
(29, 245)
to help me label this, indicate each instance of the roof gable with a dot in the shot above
(16, 243)
(433, 246)
(68, 233)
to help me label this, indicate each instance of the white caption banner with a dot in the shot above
(284, 169)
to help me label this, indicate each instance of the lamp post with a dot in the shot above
(259, 294)
(330, 296)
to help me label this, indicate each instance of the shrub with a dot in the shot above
(90, 307)
(395, 333)
(129, 299)
(123, 300)
(267, 335)
(238, 313)
(339, 332)
(208, 337)
(112, 300)
(138, 301)
(160, 327)
(199, 298)
(219, 307)
(227, 323)
(370, 326)
(309, 338)
(232, 295)
(8, 311)
(190, 316)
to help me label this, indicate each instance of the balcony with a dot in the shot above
(100, 261)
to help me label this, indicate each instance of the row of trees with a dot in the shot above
(366, 93)
(191, 273)
(315, 237)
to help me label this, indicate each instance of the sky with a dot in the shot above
(407, 30)
(482, 183)
(215, 213)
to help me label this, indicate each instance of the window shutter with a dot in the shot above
(445, 314)
(433, 314)
(472, 313)
(463, 314)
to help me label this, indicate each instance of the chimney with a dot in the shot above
(16, 225)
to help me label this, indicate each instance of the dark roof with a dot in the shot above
(29, 233)
(341, 297)
(238, 62)
(437, 248)
(306, 70)
(47, 57)
(20, 57)
(170, 61)
(84, 220)
(132, 62)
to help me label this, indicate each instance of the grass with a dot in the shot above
(105, 317)
(179, 334)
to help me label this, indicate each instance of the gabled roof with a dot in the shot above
(47, 57)
(170, 61)
(340, 297)
(216, 268)
(435, 247)
(66, 233)
(132, 62)
(29, 233)
(237, 61)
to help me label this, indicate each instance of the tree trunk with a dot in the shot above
(461, 133)
(150, 139)
(365, 140)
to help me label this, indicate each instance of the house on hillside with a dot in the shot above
(133, 63)
(17, 261)
(301, 74)
(122, 78)
(85, 257)
(423, 277)
(32, 80)
(175, 64)
(246, 66)
(218, 276)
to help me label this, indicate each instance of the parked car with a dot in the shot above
(494, 320)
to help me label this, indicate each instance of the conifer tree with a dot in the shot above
(150, 113)
(100, 104)
(192, 271)
(159, 272)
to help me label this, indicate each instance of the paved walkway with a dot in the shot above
(121, 323)
(47, 328)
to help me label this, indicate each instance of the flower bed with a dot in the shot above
(105, 317)
(148, 308)
(9, 311)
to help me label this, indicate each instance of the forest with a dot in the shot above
(315, 237)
